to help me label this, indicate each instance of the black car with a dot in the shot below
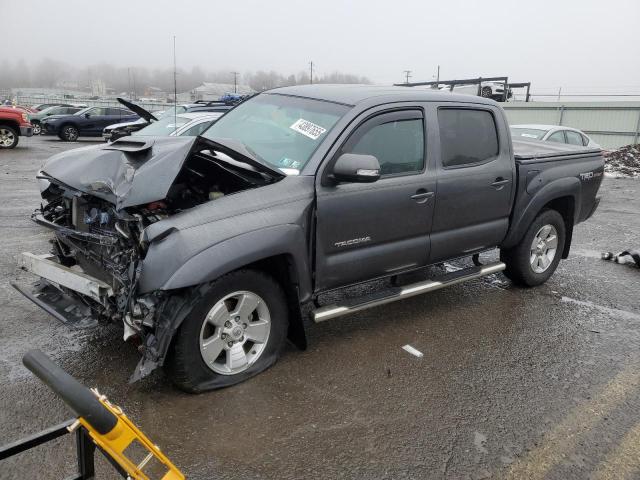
(119, 130)
(87, 122)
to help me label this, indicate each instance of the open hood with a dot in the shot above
(125, 172)
(141, 112)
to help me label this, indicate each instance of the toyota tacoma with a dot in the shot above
(207, 250)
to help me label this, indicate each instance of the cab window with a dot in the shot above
(467, 136)
(396, 139)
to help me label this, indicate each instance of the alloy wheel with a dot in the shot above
(235, 332)
(7, 137)
(543, 248)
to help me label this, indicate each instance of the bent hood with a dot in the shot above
(137, 109)
(126, 172)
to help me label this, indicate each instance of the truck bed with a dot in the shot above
(527, 150)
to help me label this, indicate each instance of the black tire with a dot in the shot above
(69, 133)
(185, 365)
(37, 128)
(486, 92)
(8, 137)
(519, 258)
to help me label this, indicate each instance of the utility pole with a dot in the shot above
(235, 81)
(311, 72)
(407, 75)
(175, 86)
(559, 93)
(129, 79)
(438, 75)
(133, 76)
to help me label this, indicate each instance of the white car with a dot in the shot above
(493, 90)
(184, 124)
(553, 133)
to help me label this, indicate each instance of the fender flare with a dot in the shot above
(222, 258)
(563, 187)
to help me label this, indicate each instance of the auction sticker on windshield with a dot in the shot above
(307, 128)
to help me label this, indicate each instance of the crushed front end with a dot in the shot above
(94, 265)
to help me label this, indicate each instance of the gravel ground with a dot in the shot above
(623, 162)
(514, 383)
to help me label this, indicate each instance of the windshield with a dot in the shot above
(164, 126)
(281, 131)
(528, 132)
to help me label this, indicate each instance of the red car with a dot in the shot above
(14, 122)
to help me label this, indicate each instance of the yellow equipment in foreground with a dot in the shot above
(99, 425)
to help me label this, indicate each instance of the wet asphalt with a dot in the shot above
(514, 383)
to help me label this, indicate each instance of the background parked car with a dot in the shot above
(553, 133)
(87, 122)
(493, 90)
(113, 132)
(14, 122)
(41, 106)
(185, 124)
(36, 118)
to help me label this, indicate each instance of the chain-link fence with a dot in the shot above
(37, 99)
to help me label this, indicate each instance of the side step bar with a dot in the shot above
(355, 305)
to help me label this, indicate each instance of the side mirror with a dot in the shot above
(356, 168)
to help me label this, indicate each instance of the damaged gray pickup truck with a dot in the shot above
(207, 250)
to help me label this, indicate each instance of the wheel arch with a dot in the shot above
(12, 124)
(561, 196)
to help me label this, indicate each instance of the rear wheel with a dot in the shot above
(69, 133)
(8, 137)
(536, 257)
(235, 330)
(486, 92)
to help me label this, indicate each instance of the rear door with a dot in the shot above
(368, 230)
(475, 181)
(93, 121)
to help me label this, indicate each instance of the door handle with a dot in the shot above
(421, 196)
(500, 183)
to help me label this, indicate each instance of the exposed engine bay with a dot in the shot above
(96, 238)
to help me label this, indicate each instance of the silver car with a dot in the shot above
(553, 133)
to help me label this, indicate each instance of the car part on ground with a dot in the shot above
(634, 256)
(274, 205)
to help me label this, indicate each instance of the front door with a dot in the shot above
(368, 230)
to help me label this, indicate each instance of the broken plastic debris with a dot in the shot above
(412, 351)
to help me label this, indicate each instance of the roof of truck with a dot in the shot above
(352, 94)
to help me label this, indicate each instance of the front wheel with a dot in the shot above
(235, 330)
(536, 257)
(37, 128)
(8, 137)
(69, 133)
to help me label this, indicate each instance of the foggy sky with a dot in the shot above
(580, 45)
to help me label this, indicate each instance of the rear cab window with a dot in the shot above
(468, 137)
